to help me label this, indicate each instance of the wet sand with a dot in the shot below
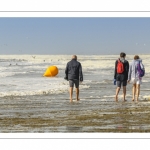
(93, 113)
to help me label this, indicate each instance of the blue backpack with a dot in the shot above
(140, 70)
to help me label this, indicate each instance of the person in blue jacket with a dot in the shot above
(74, 75)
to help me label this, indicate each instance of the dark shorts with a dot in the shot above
(121, 83)
(72, 82)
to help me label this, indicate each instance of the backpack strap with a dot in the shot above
(119, 60)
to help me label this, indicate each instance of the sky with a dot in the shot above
(81, 36)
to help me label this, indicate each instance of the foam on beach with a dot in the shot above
(146, 97)
(24, 75)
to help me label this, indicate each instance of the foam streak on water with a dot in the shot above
(21, 75)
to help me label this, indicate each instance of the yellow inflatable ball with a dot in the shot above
(51, 71)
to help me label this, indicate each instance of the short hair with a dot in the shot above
(122, 54)
(74, 57)
(136, 57)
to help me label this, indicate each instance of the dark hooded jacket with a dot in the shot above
(74, 70)
(123, 76)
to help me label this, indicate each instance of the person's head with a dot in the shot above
(122, 54)
(74, 57)
(136, 57)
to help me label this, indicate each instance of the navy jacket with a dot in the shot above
(74, 70)
(124, 75)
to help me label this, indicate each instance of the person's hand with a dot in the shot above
(128, 81)
(66, 78)
(81, 79)
(114, 81)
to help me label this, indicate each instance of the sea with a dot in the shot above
(22, 75)
(26, 93)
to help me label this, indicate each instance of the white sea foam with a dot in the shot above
(3, 74)
(22, 74)
(33, 86)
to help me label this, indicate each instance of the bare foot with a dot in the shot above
(78, 99)
(137, 100)
(71, 100)
(116, 98)
(124, 100)
(132, 99)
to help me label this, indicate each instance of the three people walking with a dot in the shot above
(123, 74)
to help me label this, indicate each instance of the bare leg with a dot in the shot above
(124, 93)
(133, 91)
(71, 93)
(77, 94)
(137, 91)
(117, 92)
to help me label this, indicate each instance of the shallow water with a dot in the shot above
(32, 103)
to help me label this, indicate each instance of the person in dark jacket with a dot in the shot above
(121, 78)
(74, 74)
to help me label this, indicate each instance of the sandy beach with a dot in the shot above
(93, 113)
(56, 114)
(96, 111)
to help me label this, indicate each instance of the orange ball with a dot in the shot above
(51, 71)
